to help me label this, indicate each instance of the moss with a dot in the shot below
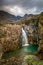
(31, 59)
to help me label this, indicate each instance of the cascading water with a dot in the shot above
(26, 47)
(24, 38)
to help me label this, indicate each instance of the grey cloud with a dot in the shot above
(25, 4)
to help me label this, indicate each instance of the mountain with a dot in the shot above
(9, 17)
(28, 15)
(6, 16)
(31, 18)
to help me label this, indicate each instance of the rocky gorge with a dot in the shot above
(11, 50)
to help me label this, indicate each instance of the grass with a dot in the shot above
(12, 53)
(32, 61)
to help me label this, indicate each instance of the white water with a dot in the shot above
(24, 38)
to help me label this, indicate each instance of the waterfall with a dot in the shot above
(24, 38)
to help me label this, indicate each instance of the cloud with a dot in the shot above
(20, 7)
(17, 10)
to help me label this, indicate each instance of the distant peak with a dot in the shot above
(28, 15)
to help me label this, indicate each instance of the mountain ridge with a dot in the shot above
(7, 16)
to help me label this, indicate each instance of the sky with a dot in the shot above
(22, 7)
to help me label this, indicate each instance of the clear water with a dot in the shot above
(30, 49)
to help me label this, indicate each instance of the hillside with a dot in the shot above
(8, 17)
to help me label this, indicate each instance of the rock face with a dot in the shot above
(32, 32)
(10, 37)
(41, 36)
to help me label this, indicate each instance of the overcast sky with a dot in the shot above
(21, 7)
